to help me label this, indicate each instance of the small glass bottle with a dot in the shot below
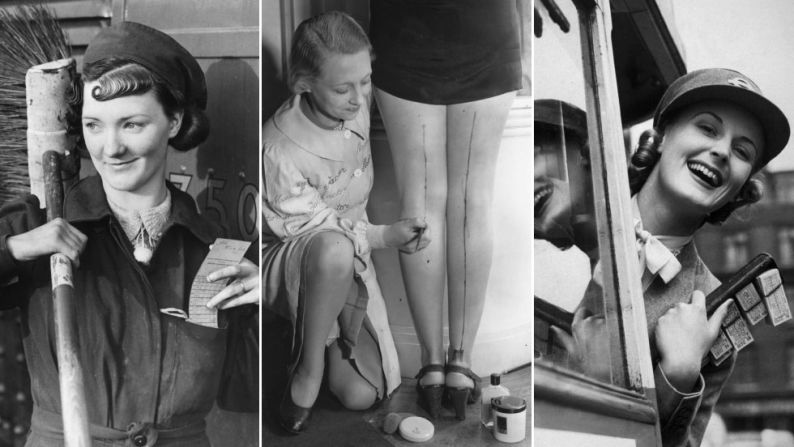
(488, 393)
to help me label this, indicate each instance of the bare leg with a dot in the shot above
(474, 135)
(328, 277)
(417, 137)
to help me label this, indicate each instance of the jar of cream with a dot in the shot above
(510, 418)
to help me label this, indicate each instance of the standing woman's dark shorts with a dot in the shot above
(445, 51)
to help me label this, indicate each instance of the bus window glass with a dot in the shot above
(570, 328)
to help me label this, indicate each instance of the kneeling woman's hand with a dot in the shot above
(684, 335)
(408, 235)
(243, 290)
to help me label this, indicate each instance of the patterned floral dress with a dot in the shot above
(317, 180)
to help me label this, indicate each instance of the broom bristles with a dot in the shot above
(29, 35)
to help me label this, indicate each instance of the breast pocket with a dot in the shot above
(198, 353)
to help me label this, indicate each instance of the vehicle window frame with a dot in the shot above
(632, 392)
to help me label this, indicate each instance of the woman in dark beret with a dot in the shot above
(150, 375)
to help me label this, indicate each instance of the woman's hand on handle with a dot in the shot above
(56, 236)
(409, 235)
(684, 335)
(243, 290)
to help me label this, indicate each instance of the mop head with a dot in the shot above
(29, 35)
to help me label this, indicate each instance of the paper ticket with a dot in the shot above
(726, 356)
(721, 347)
(739, 334)
(778, 307)
(757, 313)
(224, 253)
(732, 314)
(748, 297)
(768, 281)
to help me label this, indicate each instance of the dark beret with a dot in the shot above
(155, 51)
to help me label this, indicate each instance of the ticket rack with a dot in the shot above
(758, 293)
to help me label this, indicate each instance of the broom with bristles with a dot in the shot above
(35, 83)
(29, 36)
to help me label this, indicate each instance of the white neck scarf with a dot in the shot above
(657, 253)
(143, 227)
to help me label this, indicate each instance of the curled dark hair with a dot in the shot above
(644, 159)
(647, 155)
(121, 77)
(331, 32)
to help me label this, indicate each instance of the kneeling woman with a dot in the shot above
(317, 238)
(137, 241)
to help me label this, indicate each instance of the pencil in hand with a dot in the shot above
(419, 233)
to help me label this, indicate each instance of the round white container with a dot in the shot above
(416, 429)
(510, 418)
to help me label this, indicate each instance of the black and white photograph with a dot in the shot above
(662, 252)
(129, 206)
(396, 267)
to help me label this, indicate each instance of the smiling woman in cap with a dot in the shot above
(151, 376)
(713, 130)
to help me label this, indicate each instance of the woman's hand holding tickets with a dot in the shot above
(684, 335)
(243, 290)
(55, 236)
(408, 235)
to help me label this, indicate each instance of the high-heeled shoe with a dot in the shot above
(430, 395)
(461, 396)
(292, 417)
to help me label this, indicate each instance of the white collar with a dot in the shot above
(153, 220)
(291, 121)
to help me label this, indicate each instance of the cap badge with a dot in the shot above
(739, 82)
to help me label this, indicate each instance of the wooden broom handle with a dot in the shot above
(70, 374)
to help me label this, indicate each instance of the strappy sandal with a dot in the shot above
(430, 395)
(460, 396)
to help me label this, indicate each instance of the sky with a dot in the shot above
(755, 37)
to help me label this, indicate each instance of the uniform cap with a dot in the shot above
(727, 85)
(555, 113)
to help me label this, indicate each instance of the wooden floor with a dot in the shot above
(332, 425)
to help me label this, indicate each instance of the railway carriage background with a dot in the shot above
(222, 174)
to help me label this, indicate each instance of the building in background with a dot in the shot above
(760, 393)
